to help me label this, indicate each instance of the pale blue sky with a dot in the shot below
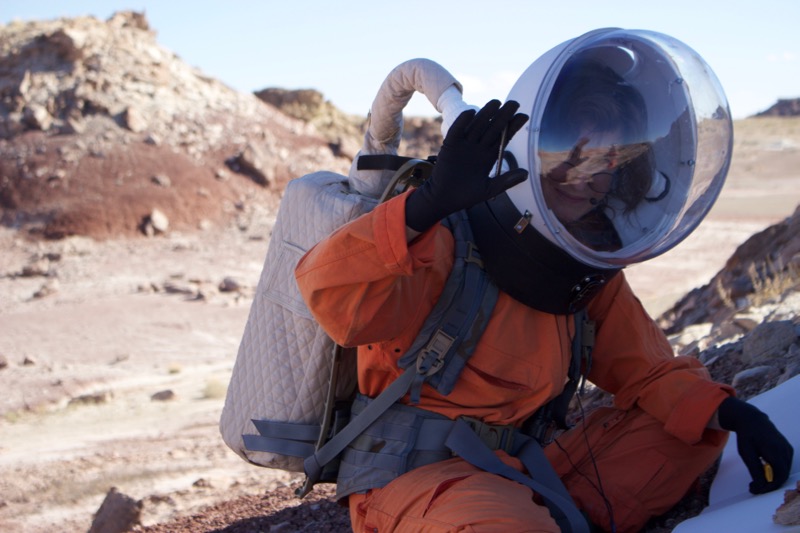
(345, 49)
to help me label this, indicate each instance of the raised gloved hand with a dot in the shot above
(460, 178)
(757, 438)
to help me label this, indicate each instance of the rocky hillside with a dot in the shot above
(103, 133)
(744, 323)
(763, 267)
(789, 107)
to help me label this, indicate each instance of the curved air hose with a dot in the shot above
(386, 115)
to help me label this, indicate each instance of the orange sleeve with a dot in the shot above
(366, 270)
(634, 361)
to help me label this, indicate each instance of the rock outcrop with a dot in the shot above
(90, 111)
(763, 267)
(785, 107)
(421, 137)
(744, 323)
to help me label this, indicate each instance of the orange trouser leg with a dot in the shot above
(643, 470)
(449, 496)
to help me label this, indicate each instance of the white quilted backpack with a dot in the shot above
(287, 368)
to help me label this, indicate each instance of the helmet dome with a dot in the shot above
(628, 145)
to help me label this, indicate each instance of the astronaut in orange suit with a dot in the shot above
(374, 281)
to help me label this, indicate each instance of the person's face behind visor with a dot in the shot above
(575, 182)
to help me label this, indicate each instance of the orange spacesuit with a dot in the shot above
(369, 288)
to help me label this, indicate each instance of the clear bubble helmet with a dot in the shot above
(628, 145)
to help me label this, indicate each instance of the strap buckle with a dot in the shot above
(431, 358)
(495, 437)
(473, 255)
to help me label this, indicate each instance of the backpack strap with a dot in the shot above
(296, 439)
(452, 330)
(381, 162)
(542, 479)
(316, 461)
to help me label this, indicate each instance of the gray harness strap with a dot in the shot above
(314, 463)
(542, 479)
(452, 329)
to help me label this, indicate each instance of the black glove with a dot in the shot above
(757, 438)
(460, 177)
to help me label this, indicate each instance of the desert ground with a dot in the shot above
(115, 355)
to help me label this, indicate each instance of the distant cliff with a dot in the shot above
(789, 107)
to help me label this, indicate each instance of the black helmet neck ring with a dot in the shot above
(528, 266)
